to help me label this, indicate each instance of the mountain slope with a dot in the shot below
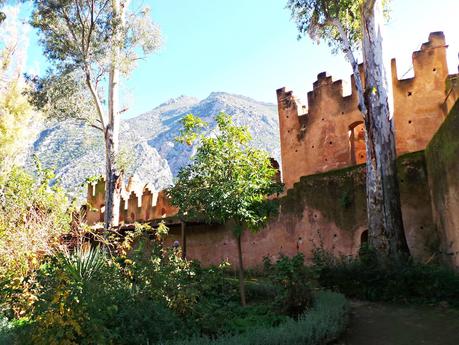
(148, 140)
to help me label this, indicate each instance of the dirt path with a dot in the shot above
(385, 324)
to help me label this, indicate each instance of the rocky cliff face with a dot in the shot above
(148, 142)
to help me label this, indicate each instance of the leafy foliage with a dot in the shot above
(394, 281)
(323, 323)
(77, 34)
(319, 20)
(17, 117)
(89, 297)
(62, 96)
(293, 282)
(315, 19)
(33, 216)
(227, 179)
(80, 38)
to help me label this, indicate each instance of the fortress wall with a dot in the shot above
(138, 204)
(443, 169)
(325, 203)
(326, 211)
(327, 137)
(418, 101)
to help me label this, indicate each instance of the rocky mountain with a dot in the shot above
(148, 144)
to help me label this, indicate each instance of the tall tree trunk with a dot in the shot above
(183, 228)
(385, 225)
(241, 271)
(112, 180)
(113, 175)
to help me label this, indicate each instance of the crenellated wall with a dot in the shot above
(139, 203)
(325, 211)
(329, 135)
(325, 204)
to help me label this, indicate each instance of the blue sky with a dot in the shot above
(249, 47)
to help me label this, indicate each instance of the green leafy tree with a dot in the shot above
(17, 116)
(346, 25)
(93, 43)
(227, 180)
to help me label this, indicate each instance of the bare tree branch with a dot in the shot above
(355, 66)
(96, 98)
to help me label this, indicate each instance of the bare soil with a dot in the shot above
(388, 324)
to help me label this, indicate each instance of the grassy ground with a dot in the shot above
(388, 324)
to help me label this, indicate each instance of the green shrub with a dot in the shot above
(33, 216)
(292, 280)
(325, 321)
(87, 299)
(396, 281)
(6, 331)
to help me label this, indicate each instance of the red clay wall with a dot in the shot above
(443, 167)
(139, 203)
(319, 141)
(322, 211)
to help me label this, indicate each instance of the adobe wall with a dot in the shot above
(139, 203)
(443, 167)
(319, 141)
(325, 210)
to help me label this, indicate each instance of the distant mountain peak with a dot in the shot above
(149, 138)
(231, 97)
(179, 99)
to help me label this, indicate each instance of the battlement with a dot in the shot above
(329, 136)
(140, 202)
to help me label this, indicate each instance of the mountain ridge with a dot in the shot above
(148, 139)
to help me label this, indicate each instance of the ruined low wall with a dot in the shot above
(139, 203)
(443, 167)
(325, 210)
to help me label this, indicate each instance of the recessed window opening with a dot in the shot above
(357, 146)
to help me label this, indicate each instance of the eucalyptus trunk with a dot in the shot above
(241, 271)
(111, 132)
(112, 179)
(385, 225)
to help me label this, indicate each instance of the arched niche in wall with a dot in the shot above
(357, 147)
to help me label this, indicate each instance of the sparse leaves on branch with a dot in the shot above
(94, 43)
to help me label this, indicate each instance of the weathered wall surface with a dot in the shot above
(443, 168)
(139, 203)
(327, 137)
(322, 211)
(325, 202)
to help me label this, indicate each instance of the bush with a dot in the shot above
(396, 281)
(86, 299)
(33, 216)
(6, 331)
(292, 280)
(325, 321)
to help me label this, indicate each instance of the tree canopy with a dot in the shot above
(330, 20)
(227, 178)
(79, 39)
(226, 181)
